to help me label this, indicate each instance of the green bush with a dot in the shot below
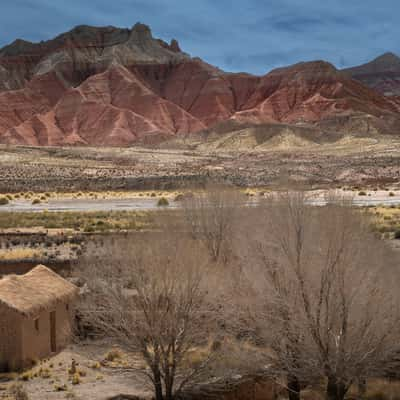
(163, 202)
(4, 201)
(36, 201)
(391, 194)
(362, 193)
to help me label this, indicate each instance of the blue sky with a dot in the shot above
(246, 35)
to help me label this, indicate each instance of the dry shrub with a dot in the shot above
(95, 365)
(60, 388)
(4, 201)
(26, 376)
(76, 379)
(113, 355)
(18, 391)
(163, 202)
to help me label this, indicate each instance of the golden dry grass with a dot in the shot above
(380, 389)
(101, 221)
(377, 389)
(19, 253)
(386, 219)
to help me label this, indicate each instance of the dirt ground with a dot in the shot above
(103, 372)
(96, 378)
(279, 161)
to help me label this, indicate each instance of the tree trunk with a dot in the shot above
(158, 390)
(362, 388)
(335, 390)
(293, 387)
(168, 393)
(169, 384)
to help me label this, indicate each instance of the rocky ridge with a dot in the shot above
(115, 87)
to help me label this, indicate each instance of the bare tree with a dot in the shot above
(321, 293)
(211, 217)
(152, 299)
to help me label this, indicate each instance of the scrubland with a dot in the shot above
(216, 300)
(193, 161)
(281, 300)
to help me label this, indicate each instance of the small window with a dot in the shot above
(37, 324)
(67, 307)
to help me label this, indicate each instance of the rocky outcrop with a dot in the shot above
(381, 74)
(312, 92)
(205, 92)
(111, 108)
(111, 86)
(82, 52)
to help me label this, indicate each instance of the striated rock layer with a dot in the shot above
(110, 86)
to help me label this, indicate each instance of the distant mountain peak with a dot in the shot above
(308, 68)
(381, 74)
(174, 46)
(141, 33)
(388, 56)
(141, 28)
(88, 36)
(385, 62)
(17, 47)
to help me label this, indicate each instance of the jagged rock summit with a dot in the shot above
(83, 51)
(112, 86)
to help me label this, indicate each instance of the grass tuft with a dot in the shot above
(163, 202)
(4, 201)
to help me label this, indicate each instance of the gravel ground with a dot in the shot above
(101, 382)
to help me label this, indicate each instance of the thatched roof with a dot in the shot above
(35, 291)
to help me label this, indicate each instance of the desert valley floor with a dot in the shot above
(278, 162)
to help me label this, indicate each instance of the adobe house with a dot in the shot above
(35, 316)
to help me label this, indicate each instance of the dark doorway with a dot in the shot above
(53, 341)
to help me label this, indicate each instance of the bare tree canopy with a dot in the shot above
(317, 291)
(313, 286)
(153, 300)
(212, 217)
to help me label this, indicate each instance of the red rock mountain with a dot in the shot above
(110, 86)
